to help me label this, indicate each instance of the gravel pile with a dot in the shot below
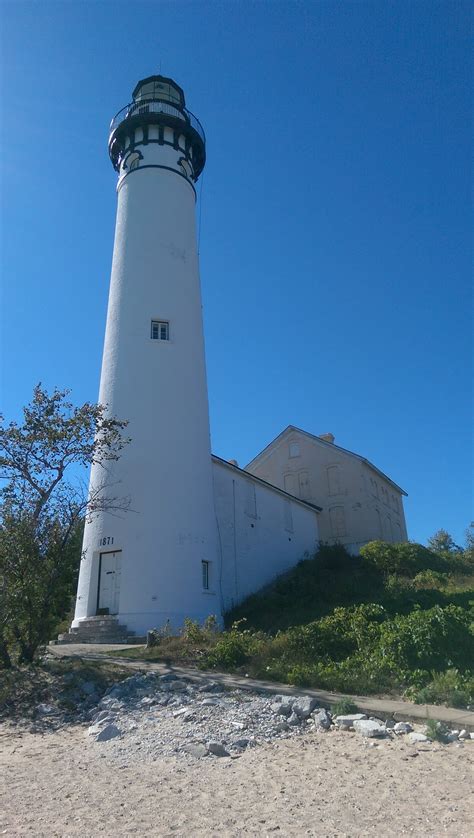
(149, 716)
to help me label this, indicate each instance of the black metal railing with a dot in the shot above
(157, 106)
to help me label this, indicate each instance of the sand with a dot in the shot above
(323, 784)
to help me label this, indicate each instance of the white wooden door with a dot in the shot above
(109, 582)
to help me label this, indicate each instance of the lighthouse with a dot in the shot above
(153, 564)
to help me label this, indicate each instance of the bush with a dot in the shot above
(233, 648)
(431, 579)
(436, 730)
(449, 687)
(344, 707)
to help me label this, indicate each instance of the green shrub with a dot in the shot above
(233, 648)
(431, 579)
(436, 730)
(449, 687)
(344, 707)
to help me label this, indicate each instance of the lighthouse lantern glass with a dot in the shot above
(159, 90)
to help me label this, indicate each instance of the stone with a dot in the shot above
(347, 722)
(196, 750)
(88, 687)
(241, 743)
(414, 737)
(452, 736)
(103, 717)
(209, 702)
(46, 709)
(211, 687)
(165, 679)
(281, 727)
(304, 705)
(403, 727)
(180, 712)
(217, 748)
(284, 708)
(321, 718)
(463, 734)
(294, 720)
(177, 686)
(107, 732)
(369, 728)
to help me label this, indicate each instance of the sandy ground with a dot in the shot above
(334, 784)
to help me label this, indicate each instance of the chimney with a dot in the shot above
(327, 437)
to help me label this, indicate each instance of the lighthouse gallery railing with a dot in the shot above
(143, 106)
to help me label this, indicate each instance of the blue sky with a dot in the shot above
(334, 218)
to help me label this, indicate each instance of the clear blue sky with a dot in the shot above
(334, 218)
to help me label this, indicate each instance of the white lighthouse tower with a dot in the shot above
(153, 564)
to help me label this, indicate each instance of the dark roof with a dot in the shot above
(293, 428)
(251, 476)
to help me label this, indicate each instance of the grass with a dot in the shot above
(396, 620)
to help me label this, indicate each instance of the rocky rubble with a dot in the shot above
(149, 716)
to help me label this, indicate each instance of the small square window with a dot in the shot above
(205, 575)
(294, 449)
(160, 330)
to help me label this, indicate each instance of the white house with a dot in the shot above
(359, 502)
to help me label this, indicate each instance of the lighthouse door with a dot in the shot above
(109, 582)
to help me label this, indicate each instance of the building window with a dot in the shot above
(205, 575)
(160, 330)
(338, 521)
(334, 480)
(294, 449)
(305, 488)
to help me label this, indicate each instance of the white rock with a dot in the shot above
(369, 728)
(107, 732)
(285, 707)
(463, 734)
(321, 718)
(304, 705)
(177, 686)
(414, 737)
(217, 748)
(347, 722)
(46, 709)
(403, 727)
(196, 750)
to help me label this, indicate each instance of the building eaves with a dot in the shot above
(331, 445)
(248, 475)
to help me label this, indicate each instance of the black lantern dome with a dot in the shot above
(158, 100)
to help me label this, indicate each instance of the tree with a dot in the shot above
(442, 542)
(42, 511)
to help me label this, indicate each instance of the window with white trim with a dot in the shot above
(206, 575)
(160, 330)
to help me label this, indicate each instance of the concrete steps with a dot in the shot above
(102, 629)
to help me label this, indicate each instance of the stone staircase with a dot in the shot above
(103, 629)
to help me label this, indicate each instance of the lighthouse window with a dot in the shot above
(205, 575)
(160, 330)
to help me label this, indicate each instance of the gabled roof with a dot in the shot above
(249, 476)
(331, 445)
